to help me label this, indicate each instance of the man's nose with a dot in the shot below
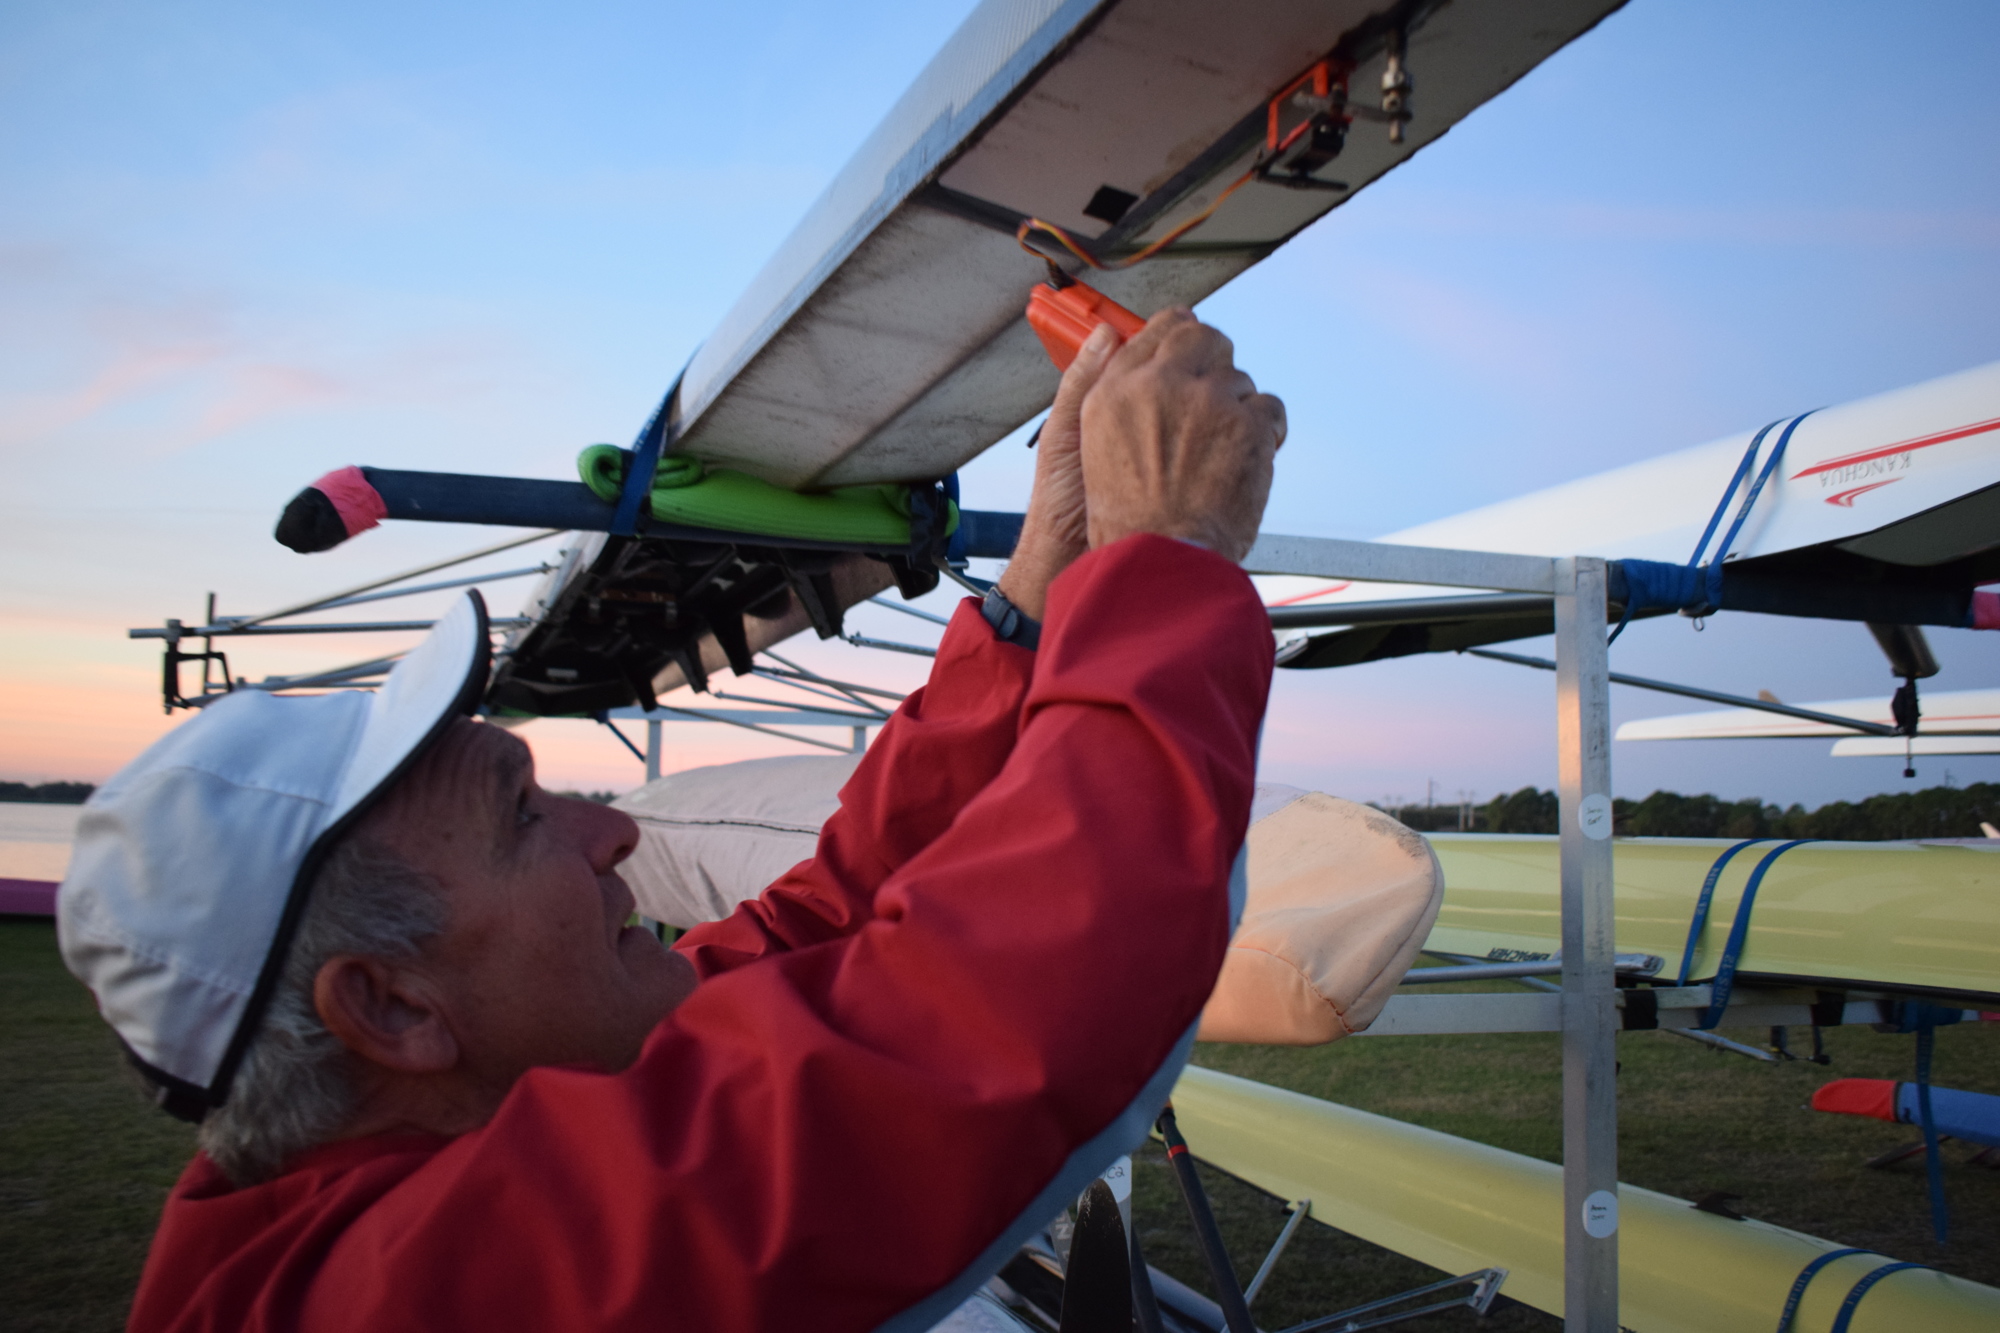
(609, 836)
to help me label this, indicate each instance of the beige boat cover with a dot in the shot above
(1341, 895)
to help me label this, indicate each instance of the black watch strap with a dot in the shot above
(1010, 624)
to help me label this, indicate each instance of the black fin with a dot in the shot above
(1097, 1289)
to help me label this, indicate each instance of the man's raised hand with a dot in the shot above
(1177, 441)
(1054, 532)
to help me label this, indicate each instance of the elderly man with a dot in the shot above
(443, 1084)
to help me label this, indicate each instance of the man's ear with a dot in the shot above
(385, 1013)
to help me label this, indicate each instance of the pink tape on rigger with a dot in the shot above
(359, 505)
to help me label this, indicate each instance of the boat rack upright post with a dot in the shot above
(1583, 743)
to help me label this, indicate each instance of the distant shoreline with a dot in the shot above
(46, 793)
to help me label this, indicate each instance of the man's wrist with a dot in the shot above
(1205, 536)
(1010, 624)
(1038, 558)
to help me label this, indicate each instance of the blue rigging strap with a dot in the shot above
(1700, 920)
(1651, 583)
(1714, 589)
(1739, 930)
(1861, 1288)
(1691, 587)
(1924, 1019)
(646, 450)
(1729, 492)
(954, 551)
(1804, 1280)
(1933, 1163)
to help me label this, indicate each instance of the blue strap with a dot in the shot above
(1655, 583)
(1804, 1279)
(1739, 930)
(1933, 1163)
(1700, 921)
(954, 551)
(1729, 493)
(1743, 511)
(1861, 1288)
(1692, 587)
(645, 461)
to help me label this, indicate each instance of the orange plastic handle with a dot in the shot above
(1064, 319)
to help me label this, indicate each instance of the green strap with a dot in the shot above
(685, 491)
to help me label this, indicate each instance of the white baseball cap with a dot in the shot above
(191, 867)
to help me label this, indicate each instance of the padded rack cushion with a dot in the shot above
(1341, 895)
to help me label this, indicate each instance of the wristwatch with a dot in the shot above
(1010, 624)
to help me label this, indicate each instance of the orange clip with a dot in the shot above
(1319, 78)
(1064, 319)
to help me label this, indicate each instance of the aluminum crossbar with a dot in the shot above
(790, 717)
(1663, 1009)
(1642, 964)
(174, 630)
(1696, 692)
(1384, 562)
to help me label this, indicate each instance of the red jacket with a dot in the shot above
(912, 1050)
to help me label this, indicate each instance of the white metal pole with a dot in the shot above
(1590, 1032)
(652, 748)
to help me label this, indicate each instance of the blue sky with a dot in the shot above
(242, 244)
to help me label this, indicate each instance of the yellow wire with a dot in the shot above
(1070, 244)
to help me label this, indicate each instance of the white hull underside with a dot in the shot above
(885, 339)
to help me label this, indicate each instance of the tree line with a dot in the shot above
(1934, 812)
(47, 793)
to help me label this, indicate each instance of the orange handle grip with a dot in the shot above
(1064, 319)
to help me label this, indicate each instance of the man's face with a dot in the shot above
(536, 962)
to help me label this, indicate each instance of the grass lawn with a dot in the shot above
(85, 1163)
(1691, 1120)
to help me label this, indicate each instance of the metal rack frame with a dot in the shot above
(1588, 1000)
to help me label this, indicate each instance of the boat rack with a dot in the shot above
(1589, 1008)
(1586, 1010)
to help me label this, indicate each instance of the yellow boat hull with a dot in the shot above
(1901, 916)
(1461, 1206)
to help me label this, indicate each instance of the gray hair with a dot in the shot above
(296, 1088)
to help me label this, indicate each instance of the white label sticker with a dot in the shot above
(1119, 1178)
(1600, 1214)
(1595, 817)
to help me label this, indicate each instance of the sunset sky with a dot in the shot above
(241, 244)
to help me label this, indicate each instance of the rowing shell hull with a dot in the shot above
(1462, 1206)
(885, 339)
(1907, 917)
(1908, 479)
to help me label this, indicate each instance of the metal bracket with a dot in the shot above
(1642, 1009)
(170, 684)
(1485, 1288)
(1299, 1209)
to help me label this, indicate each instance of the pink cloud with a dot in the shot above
(255, 392)
(132, 373)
